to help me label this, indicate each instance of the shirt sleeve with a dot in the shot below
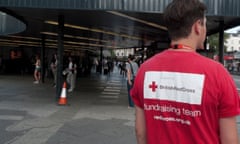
(229, 103)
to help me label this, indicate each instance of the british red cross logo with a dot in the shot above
(153, 86)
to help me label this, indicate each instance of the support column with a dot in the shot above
(101, 60)
(142, 49)
(101, 54)
(60, 55)
(43, 68)
(221, 42)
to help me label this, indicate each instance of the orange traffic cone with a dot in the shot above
(63, 97)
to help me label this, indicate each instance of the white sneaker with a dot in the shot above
(36, 82)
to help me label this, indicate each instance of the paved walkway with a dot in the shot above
(97, 112)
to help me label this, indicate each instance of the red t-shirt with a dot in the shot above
(183, 95)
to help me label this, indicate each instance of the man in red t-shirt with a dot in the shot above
(182, 97)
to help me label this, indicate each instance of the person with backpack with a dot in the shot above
(131, 69)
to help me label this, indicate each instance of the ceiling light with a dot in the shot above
(23, 37)
(138, 20)
(92, 29)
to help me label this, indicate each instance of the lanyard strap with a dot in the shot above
(181, 46)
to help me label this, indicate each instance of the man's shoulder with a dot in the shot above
(154, 58)
(208, 61)
(127, 64)
(134, 62)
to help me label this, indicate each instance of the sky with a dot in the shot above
(233, 30)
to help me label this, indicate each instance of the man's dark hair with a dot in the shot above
(131, 57)
(180, 15)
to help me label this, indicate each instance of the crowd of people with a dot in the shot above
(72, 68)
(69, 71)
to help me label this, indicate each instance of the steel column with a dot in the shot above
(101, 54)
(221, 42)
(60, 52)
(43, 68)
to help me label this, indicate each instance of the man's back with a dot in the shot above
(180, 96)
(183, 94)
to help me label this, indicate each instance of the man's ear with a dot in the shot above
(197, 27)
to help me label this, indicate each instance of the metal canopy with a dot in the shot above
(91, 24)
(10, 24)
(215, 7)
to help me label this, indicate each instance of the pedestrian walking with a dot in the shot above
(54, 69)
(72, 74)
(37, 71)
(131, 68)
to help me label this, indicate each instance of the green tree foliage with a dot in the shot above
(213, 41)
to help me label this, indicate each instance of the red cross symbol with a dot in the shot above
(153, 86)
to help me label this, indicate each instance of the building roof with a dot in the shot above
(107, 23)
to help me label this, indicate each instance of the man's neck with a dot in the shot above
(185, 44)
